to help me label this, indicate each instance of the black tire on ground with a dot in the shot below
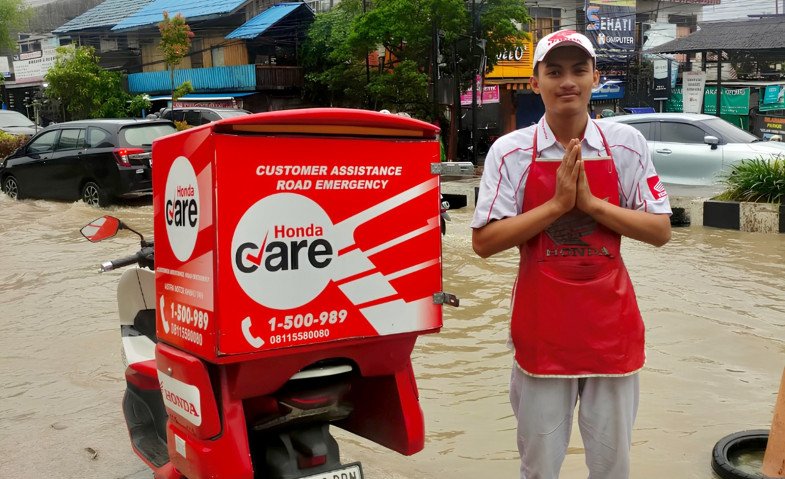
(94, 195)
(731, 446)
(11, 188)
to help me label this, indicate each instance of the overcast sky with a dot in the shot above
(739, 9)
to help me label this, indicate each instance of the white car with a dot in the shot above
(694, 149)
(15, 123)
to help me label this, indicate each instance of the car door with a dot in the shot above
(682, 157)
(66, 164)
(31, 170)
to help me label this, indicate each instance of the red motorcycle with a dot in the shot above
(320, 303)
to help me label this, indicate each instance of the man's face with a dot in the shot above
(564, 80)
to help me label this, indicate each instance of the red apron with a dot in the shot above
(574, 309)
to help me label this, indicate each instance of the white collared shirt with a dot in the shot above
(509, 158)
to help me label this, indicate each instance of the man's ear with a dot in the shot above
(596, 81)
(535, 84)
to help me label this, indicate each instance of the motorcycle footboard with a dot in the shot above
(146, 420)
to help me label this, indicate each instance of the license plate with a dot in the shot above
(349, 471)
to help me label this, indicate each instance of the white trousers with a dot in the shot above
(544, 408)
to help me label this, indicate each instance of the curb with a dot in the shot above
(739, 216)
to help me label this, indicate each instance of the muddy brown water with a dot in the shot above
(713, 302)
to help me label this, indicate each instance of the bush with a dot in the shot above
(759, 180)
(9, 143)
(182, 125)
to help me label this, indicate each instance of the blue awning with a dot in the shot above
(260, 23)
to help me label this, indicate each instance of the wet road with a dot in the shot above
(713, 302)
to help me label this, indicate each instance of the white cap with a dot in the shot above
(562, 38)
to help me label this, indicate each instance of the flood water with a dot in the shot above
(713, 302)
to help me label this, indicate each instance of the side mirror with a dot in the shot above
(713, 141)
(101, 228)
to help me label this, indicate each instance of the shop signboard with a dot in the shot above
(610, 24)
(766, 126)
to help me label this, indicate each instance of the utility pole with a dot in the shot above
(474, 85)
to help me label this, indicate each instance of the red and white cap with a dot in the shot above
(562, 38)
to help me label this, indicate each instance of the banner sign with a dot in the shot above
(735, 101)
(675, 103)
(32, 66)
(490, 94)
(662, 84)
(610, 25)
(694, 84)
(772, 98)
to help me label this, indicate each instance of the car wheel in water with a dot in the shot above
(93, 195)
(725, 459)
(11, 188)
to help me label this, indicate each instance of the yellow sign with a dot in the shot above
(514, 64)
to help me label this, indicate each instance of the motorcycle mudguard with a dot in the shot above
(401, 427)
(187, 391)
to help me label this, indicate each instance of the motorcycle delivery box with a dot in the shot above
(288, 239)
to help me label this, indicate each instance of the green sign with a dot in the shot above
(735, 101)
(772, 98)
(674, 104)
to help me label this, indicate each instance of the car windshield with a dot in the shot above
(12, 118)
(144, 135)
(729, 132)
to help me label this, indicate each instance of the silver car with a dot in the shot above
(16, 123)
(694, 149)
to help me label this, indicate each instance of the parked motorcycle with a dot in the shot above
(256, 417)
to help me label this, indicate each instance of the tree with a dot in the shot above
(175, 41)
(86, 89)
(14, 15)
(408, 32)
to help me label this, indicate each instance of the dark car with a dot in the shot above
(15, 123)
(200, 115)
(95, 160)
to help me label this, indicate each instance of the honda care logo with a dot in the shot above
(181, 202)
(281, 252)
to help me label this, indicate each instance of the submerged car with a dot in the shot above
(95, 160)
(695, 149)
(15, 123)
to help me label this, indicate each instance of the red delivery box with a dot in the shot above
(295, 228)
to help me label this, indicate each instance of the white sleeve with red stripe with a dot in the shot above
(501, 191)
(643, 189)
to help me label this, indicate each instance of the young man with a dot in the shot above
(564, 191)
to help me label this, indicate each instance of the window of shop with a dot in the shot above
(545, 21)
